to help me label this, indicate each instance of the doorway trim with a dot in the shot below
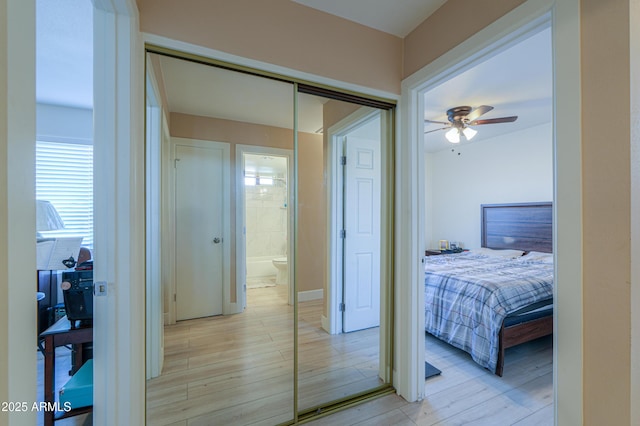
(241, 246)
(17, 207)
(634, 52)
(333, 322)
(568, 348)
(119, 215)
(153, 169)
(227, 306)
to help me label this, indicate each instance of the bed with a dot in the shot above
(485, 301)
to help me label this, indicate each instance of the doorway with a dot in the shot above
(514, 135)
(457, 61)
(264, 225)
(201, 219)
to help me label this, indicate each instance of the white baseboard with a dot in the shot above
(305, 296)
(231, 308)
(324, 322)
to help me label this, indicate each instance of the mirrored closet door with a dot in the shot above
(269, 272)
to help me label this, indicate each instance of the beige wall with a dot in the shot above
(312, 213)
(606, 182)
(606, 210)
(281, 32)
(454, 22)
(312, 210)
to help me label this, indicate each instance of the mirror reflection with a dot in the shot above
(222, 293)
(340, 265)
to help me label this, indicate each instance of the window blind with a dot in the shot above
(64, 176)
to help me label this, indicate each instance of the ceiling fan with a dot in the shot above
(460, 118)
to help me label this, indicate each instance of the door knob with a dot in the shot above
(216, 240)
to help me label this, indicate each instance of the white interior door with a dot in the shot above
(199, 230)
(361, 283)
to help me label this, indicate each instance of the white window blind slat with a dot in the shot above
(64, 176)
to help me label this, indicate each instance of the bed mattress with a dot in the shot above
(469, 295)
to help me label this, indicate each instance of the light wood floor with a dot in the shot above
(238, 369)
(466, 394)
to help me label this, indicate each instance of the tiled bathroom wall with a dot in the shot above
(266, 219)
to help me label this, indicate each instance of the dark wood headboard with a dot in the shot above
(523, 226)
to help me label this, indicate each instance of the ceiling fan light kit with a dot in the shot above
(460, 118)
(453, 135)
(469, 133)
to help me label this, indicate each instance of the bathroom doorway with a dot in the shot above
(264, 222)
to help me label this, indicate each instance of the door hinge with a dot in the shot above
(174, 298)
(343, 233)
(343, 160)
(175, 163)
(341, 307)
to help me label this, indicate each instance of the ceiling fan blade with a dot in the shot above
(446, 123)
(482, 109)
(437, 130)
(494, 120)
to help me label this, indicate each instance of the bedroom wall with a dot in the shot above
(311, 194)
(60, 123)
(517, 167)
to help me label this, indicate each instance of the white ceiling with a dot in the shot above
(397, 17)
(64, 52)
(208, 91)
(517, 81)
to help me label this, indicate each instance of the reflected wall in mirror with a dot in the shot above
(342, 337)
(223, 150)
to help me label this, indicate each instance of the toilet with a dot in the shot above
(282, 276)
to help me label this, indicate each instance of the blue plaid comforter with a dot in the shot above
(467, 296)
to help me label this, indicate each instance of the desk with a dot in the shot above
(60, 334)
(48, 285)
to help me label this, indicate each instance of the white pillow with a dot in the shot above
(538, 256)
(510, 254)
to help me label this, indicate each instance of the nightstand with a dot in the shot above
(434, 252)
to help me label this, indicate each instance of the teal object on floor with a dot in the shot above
(78, 391)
